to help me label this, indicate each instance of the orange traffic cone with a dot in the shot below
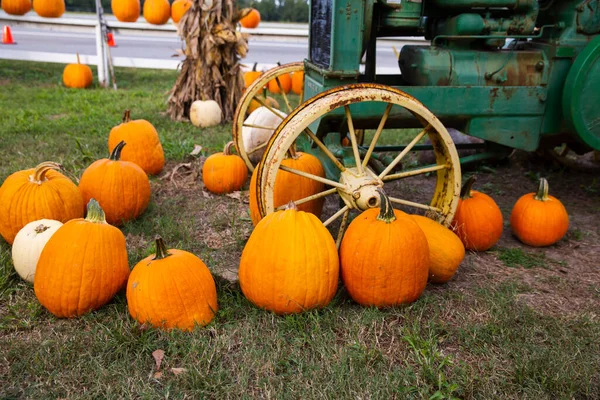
(7, 36)
(111, 40)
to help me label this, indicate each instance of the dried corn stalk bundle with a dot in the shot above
(213, 50)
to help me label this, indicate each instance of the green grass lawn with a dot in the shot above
(474, 337)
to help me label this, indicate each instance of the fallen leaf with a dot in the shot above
(158, 357)
(206, 195)
(157, 375)
(197, 150)
(235, 195)
(177, 371)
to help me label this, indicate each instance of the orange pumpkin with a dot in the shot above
(251, 20)
(157, 12)
(539, 219)
(478, 219)
(290, 187)
(251, 76)
(82, 267)
(153, 281)
(121, 187)
(290, 263)
(49, 8)
(285, 84)
(269, 101)
(178, 8)
(298, 82)
(16, 7)
(143, 144)
(126, 10)
(78, 75)
(224, 172)
(37, 193)
(446, 251)
(384, 257)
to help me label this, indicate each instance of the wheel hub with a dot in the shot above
(360, 190)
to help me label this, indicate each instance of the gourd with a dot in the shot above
(478, 219)
(143, 144)
(157, 12)
(205, 113)
(290, 263)
(49, 8)
(446, 251)
(126, 10)
(290, 187)
(298, 82)
(37, 193)
(171, 289)
(121, 187)
(384, 257)
(78, 75)
(82, 266)
(16, 7)
(28, 246)
(179, 8)
(251, 20)
(539, 219)
(255, 138)
(224, 172)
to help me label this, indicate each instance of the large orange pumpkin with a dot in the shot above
(143, 144)
(157, 12)
(16, 7)
(49, 8)
(224, 172)
(153, 281)
(298, 82)
(290, 263)
(446, 251)
(478, 219)
(78, 76)
(251, 76)
(37, 193)
(284, 84)
(178, 8)
(121, 187)
(126, 10)
(384, 257)
(290, 187)
(82, 267)
(251, 20)
(539, 219)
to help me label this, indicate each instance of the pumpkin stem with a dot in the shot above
(465, 191)
(78, 61)
(386, 210)
(291, 206)
(126, 116)
(41, 228)
(227, 148)
(542, 193)
(116, 153)
(39, 174)
(95, 213)
(161, 249)
(254, 67)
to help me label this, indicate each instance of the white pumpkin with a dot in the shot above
(254, 137)
(29, 243)
(205, 113)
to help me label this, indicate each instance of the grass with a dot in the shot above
(516, 257)
(478, 341)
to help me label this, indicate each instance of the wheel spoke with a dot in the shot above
(414, 172)
(413, 204)
(325, 150)
(404, 152)
(342, 229)
(336, 215)
(285, 99)
(309, 198)
(262, 102)
(311, 176)
(359, 166)
(257, 148)
(384, 118)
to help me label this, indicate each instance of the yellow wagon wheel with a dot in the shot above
(357, 186)
(254, 92)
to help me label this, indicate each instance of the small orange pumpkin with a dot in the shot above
(121, 187)
(126, 10)
(251, 20)
(78, 75)
(539, 219)
(224, 172)
(16, 7)
(143, 144)
(298, 82)
(446, 251)
(82, 267)
(290, 187)
(284, 84)
(478, 219)
(49, 8)
(269, 101)
(290, 263)
(153, 281)
(178, 8)
(384, 257)
(37, 193)
(251, 76)
(157, 12)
